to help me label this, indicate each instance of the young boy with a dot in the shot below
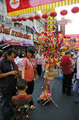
(22, 102)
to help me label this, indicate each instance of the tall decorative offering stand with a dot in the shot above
(50, 78)
(52, 47)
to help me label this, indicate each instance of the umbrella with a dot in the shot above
(27, 43)
(13, 42)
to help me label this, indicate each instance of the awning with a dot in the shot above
(27, 43)
(13, 42)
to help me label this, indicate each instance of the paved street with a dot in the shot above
(67, 110)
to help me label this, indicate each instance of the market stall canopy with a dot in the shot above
(13, 42)
(27, 43)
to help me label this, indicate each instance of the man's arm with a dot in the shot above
(2, 75)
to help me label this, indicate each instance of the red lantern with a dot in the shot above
(64, 12)
(19, 19)
(45, 16)
(24, 18)
(14, 19)
(53, 14)
(31, 18)
(75, 10)
(37, 17)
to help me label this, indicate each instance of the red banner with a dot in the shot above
(15, 5)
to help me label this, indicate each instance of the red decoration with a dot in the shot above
(60, 32)
(37, 17)
(53, 28)
(45, 33)
(24, 18)
(64, 12)
(53, 14)
(45, 16)
(42, 32)
(14, 19)
(31, 18)
(19, 19)
(75, 10)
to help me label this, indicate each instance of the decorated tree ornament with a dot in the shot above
(75, 10)
(45, 16)
(64, 12)
(37, 17)
(53, 14)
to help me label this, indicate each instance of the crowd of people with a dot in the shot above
(17, 73)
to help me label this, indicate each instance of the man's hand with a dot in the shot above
(14, 72)
(2, 75)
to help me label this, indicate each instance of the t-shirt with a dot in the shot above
(66, 62)
(29, 68)
(39, 59)
(20, 104)
(19, 63)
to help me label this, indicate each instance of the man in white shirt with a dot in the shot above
(19, 63)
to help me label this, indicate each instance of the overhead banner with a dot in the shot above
(15, 5)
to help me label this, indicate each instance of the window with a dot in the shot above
(8, 21)
(28, 29)
(1, 18)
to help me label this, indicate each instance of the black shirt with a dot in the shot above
(8, 83)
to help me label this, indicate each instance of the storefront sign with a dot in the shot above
(13, 32)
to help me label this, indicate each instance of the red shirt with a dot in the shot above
(66, 62)
(29, 69)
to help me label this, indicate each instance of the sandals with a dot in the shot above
(32, 107)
